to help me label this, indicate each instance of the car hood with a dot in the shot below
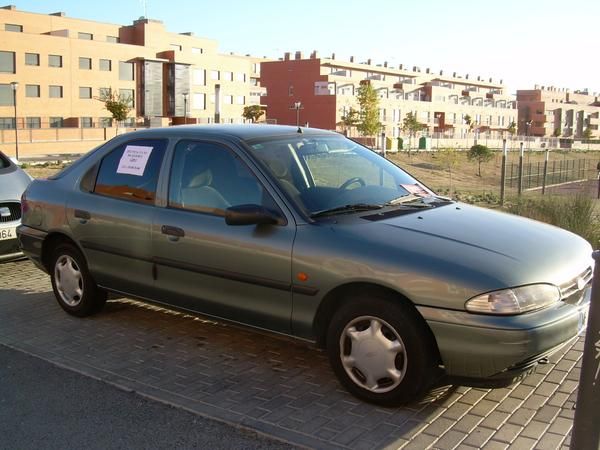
(455, 251)
(13, 182)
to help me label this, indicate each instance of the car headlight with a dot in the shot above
(515, 300)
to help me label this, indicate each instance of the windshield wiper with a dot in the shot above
(409, 198)
(346, 208)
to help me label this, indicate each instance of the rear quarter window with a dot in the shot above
(130, 171)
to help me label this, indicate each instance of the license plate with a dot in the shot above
(8, 233)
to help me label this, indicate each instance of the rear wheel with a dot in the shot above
(381, 350)
(74, 287)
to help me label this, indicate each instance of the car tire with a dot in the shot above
(74, 288)
(381, 350)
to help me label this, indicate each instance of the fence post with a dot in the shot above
(503, 173)
(520, 180)
(545, 172)
(586, 432)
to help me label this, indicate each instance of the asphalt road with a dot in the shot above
(45, 406)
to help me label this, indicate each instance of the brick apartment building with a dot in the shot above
(62, 65)
(319, 91)
(549, 111)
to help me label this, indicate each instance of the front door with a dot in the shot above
(240, 273)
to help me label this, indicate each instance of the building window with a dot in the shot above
(199, 101)
(85, 92)
(228, 99)
(6, 95)
(228, 76)
(105, 122)
(241, 77)
(125, 71)
(7, 123)
(105, 65)
(112, 39)
(56, 122)
(214, 74)
(176, 47)
(13, 27)
(32, 59)
(7, 62)
(32, 90)
(54, 60)
(240, 100)
(33, 122)
(85, 63)
(197, 50)
(86, 122)
(128, 95)
(199, 77)
(85, 36)
(55, 91)
(104, 92)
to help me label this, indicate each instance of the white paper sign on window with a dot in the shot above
(134, 160)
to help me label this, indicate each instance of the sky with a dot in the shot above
(522, 42)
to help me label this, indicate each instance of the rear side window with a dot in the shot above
(130, 171)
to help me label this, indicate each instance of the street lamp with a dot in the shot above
(185, 96)
(14, 86)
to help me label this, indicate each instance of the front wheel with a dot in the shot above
(381, 350)
(74, 288)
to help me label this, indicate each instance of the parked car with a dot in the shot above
(13, 181)
(307, 233)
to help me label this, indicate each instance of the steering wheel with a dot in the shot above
(351, 181)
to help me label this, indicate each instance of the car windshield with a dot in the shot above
(331, 173)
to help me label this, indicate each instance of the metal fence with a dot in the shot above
(558, 171)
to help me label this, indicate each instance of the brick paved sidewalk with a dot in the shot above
(275, 385)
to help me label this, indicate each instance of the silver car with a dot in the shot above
(307, 233)
(13, 181)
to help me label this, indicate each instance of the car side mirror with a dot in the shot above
(251, 215)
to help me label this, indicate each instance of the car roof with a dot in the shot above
(243, 132)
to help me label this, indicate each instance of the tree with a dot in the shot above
(350, 119)
(448, 157)
(557, 132)
(512, 128)
(368, 124)
(411, 125)
(252, 113)
(471, 124)
(481, 154)
(588, 133)
(118, 105)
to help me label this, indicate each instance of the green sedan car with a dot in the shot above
(306, 233)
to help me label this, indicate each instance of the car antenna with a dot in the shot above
(300, 130)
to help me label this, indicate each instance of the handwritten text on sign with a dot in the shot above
(134, 160)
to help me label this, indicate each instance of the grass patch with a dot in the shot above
(575, 213)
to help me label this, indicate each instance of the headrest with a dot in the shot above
(204, 178)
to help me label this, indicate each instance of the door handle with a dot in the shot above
(82, 215)
(172, 231)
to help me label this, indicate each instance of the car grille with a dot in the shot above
(572, 291)
(14, 211)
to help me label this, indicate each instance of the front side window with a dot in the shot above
(130, 171)
(209, 178)
(324, 172)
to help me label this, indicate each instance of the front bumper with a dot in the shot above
(495, 348)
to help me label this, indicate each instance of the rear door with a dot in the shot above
(241, 273)
(111, 215)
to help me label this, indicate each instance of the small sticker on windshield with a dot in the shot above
(134, 160)
(416, 189)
